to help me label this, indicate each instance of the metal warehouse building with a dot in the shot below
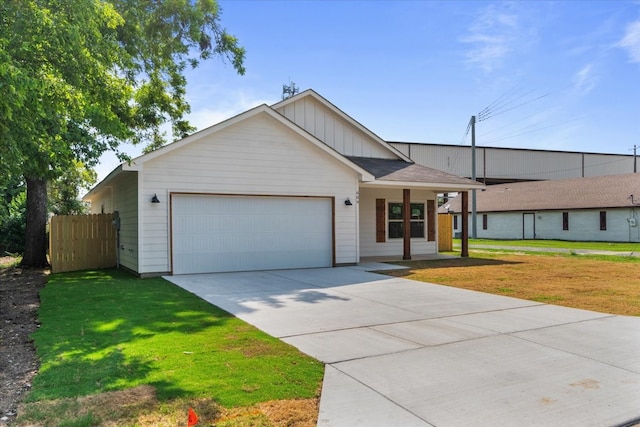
(496, 165)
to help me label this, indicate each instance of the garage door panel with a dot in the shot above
(233, 233)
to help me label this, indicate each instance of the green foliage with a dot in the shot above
(64, 197)
(63, 200)
(104, 331)
(79, 77)
(12, 216)
(556, 244)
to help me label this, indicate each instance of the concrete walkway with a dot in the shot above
(406, 353)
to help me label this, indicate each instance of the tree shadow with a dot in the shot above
(107, 330)
(445, 263)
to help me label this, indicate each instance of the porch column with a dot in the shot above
(406, 223)
(465, 224)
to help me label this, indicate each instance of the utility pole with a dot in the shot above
(474, 222)
(634, 159)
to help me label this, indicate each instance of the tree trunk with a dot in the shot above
(35, 247)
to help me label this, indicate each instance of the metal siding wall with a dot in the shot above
(600, 164)
(514, 163)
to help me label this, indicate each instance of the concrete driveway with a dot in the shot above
(407, 353)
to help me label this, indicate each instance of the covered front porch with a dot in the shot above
(397, 212)
(399, 224)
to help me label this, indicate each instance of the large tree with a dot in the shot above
(79, 77)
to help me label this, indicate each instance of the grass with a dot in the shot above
(108, 331)
(605, 284)
(557, 244)
(9, 260)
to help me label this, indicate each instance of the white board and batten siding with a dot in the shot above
(259, 157)
(333, 130)
(391, 247)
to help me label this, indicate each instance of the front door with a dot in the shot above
(528, 226)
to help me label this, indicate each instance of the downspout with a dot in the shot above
(116, 224)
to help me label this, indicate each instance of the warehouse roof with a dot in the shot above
(611, 191)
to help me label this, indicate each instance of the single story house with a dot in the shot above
(601, 208)
(293, 185)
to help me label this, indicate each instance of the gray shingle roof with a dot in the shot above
(611, 191)
(399, 170)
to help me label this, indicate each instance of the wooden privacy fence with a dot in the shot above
(81, 242)
(445, 232)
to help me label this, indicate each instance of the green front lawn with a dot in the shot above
(557, 244)
(107, 330)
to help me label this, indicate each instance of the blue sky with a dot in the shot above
(553, 75)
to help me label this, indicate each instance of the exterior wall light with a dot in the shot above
(155, 199)
(348, 202)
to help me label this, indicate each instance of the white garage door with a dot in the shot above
(235, 233)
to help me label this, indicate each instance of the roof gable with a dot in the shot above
(405, 173)
(335, 128)
(138, 163)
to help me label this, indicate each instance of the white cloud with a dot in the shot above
(584, 80)
(205, 117)
(631, 41)
(492, 36)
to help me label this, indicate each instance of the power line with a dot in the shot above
(522, 131)
(450, 164)
(513, 123)
(504, 110)
(500, 99)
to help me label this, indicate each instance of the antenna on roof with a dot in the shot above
(289, 90)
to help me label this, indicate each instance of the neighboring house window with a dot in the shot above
(603, 220)
(396, 224)
(455, 222)
(565, 220)
(484, 221)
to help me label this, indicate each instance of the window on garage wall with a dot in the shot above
(485, 221)
(603, 220)
(565, 220)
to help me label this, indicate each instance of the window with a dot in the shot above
(395, 213)
(603, 220)
(565, 220)
(455, 222)
(485, 221)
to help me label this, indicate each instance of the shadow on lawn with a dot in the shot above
(447, 263)
(96, 327)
